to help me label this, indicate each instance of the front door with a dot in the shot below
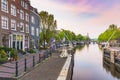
(17, 42)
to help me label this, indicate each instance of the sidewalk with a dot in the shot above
(48, 70)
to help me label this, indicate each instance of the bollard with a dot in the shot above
(47, 54)
(44, 56)
(39, 58)
(25, 65)
(16, 69)
(50, 53)
(33, 61)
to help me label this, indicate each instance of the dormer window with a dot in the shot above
(22, 3)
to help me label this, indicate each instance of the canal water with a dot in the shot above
(89, 64)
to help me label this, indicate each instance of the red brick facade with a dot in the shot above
(6, 35)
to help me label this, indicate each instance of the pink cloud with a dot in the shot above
(82, 6)
(110, 16)
(68, 14)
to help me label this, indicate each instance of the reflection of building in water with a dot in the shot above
(87, 47)
(112, 68)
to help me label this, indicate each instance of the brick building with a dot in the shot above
(15, 23)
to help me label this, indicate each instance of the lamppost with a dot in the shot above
(10, 41)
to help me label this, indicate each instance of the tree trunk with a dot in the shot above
(44, 43)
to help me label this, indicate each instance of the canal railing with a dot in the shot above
(28, 64)
(15, 69)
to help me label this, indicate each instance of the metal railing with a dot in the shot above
(29, 63)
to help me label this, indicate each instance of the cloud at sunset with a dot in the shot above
(82, 16)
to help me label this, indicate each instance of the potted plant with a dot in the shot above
(14, 54)
(3, 56)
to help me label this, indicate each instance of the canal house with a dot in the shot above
(19, 24)
(34, 28)
(14, 23)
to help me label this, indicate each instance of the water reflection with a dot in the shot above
(87, 45)
(79, 48)
(89, 64)
(112, 68)
(99, 46)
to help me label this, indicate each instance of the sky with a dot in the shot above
(82, 16)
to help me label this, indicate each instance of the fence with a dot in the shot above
(17, 68)
(29, 63)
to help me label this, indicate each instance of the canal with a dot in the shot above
(89, 64)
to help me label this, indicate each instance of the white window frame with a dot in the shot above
(22, 14)
(4, 5)
(27, 28)
(32, 30)
(27, 17)
(13, 10)
(22, 3)
(26, 42)
(21, 27)
(37, 32)
(32, 19)
(26, 6)
(4, 22)
(13, 24)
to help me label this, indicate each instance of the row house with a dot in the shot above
(34, 28)
(15, 24)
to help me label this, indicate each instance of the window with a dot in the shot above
(37, 32)
(32, 19)
(13, 10)
(26, 6)
(14, 37)
(4, 22)
(22, 3)
(21, 27)
(21, 15)
(27, 28)
(26, 41)
(27, 17)
(4, 5)
(13, 25)
(32, 30)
